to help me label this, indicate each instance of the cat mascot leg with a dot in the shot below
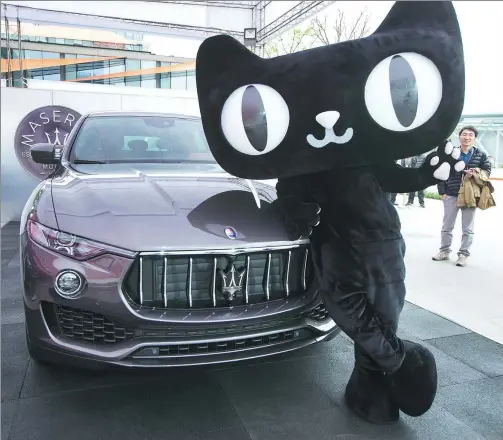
(330, 123)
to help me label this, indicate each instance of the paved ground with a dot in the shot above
(471, 296)
(290, 397)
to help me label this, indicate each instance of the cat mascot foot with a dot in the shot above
(368, 396)
(413, 387)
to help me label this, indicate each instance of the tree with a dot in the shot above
(293, 41)
(341, 30)
(319, 32)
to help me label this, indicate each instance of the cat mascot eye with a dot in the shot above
(255, 119)
(403, 91)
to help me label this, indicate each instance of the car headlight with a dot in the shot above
(70, 245)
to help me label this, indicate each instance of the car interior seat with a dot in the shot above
(138, 147)
(174, 148)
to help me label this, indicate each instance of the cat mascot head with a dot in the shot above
(396, 93)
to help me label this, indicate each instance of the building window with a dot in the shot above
(165, 77)
(148, 64)
(32, 54)
(119, 82)
(44, 65)
(118, 66)
(101, 68)
(191, 81)
(165, 80)
(132, 65)
(179, 80)
(84, 70)
(133, 81)
(49, 71)
(149, 79)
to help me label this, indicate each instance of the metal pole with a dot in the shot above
(499, 134)
(20, 50)
(9, 67)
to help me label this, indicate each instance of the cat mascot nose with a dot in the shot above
(328, 119)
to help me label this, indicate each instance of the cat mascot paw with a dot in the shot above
(299, 218)
(441, 162)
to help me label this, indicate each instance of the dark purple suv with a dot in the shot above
(140, 251)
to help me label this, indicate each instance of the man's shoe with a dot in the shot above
(441, 256)
(408, 204)
(422, 205)
(461, 260)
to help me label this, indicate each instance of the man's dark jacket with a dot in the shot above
(417, 161)
(477, 160)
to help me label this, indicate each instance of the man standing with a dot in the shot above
(405, 163)
(416, 162)
(474, 158)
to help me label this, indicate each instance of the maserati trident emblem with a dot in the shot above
(231, 233)
(55, 139)
(232, 282)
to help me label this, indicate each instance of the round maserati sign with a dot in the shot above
(50, 124)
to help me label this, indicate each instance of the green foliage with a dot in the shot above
(432, 195)
(293, 41)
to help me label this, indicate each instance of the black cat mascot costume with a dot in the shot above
(329, 123)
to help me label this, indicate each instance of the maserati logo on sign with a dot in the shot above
(51, 124)
(232, 282)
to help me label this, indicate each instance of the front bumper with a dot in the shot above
(102, 328)
(154, 348)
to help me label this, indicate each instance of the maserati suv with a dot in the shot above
(140, 251)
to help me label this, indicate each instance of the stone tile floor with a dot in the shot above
(295, 396)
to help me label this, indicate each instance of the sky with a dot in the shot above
(481, 25)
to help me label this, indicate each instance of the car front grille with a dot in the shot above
(90, 327)
(213, 280)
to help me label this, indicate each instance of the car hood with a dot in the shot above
(173, 209)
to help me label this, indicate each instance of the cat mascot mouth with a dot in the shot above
(328, 120)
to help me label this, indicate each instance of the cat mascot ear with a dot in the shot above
(421, 15)
(397, 93)
(220, 55)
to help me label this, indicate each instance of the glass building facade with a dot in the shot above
(119, 63)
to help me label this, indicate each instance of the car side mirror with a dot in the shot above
(46, 153)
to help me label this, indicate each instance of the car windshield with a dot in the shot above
(146, 139)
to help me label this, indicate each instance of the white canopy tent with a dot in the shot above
(248, 21)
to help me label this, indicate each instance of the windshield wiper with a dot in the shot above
(92, 162)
